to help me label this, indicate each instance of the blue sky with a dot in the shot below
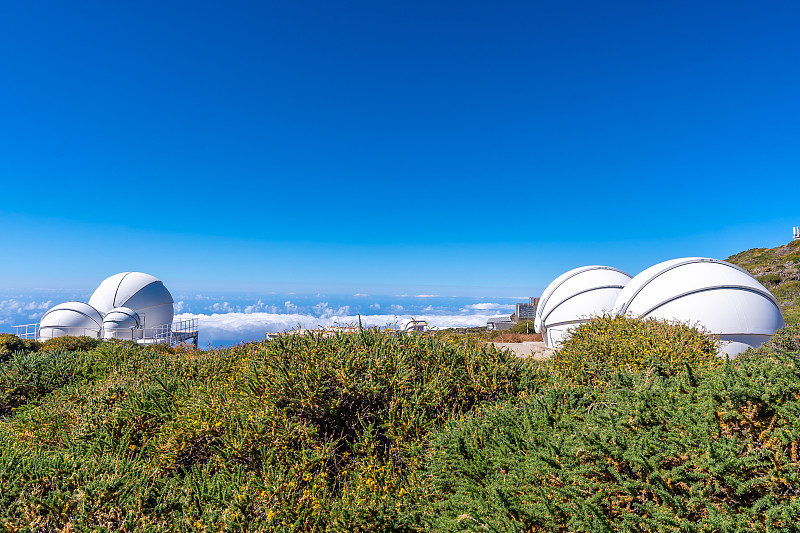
(442, 147)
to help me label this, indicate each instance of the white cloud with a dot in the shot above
(426, 296)
(323, 310)
(359, 295)
(13, 311)
(375, 306)
(179, 306)
(487, 306)
(231, 328)
(223, 307)
(290, 307)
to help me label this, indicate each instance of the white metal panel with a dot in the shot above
(141, 292)
(575, 296)
(103, 297)
(664, 281)
(70, 318)
(122, 323)
(717, 297)
(722, 311)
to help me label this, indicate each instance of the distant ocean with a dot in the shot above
(228, 318)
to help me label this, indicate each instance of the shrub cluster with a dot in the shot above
(632, 426)
(11, 343)
(667, 443)
(303, 433)
(71, 343)
(608, 343)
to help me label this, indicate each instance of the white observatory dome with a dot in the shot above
(574, 297)
(122, 323)
(70, 318)
(140, 292)
(720, 297)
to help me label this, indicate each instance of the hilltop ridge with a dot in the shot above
(778, 269)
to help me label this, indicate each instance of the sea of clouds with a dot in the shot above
(228, 319)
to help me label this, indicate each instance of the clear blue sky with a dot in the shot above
(368, 146)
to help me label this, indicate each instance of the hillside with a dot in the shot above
(778, 269)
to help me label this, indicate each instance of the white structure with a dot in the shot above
(574, 297)
(128, 305)
(122, 323)
(412, 325)
(143, 293)
(70, 318)
(719, 297)
(796, 233)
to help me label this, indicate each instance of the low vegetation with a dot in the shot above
(664, 444)
(778, 269)
(632, 426)
(304, 433)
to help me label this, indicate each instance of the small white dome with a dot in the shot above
(70, 318)
(719, 297)
(574, 297)
(140, 292)
(122, 323)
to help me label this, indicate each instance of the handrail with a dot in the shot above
(178, 331)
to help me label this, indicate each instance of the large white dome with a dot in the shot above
(140, 292)
(719, 297)
(574, 297)
(70, 318)
(122, 323)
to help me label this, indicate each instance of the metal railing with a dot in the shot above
(27, 331)
(177, 332)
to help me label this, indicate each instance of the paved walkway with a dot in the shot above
(537, 350)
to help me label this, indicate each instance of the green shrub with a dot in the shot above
(608, 343)
(29, 377)
(653, 450)
(770, 279)
(786, 339)
(792, 315)
(522, 327)
(303, 433)
(11, 343)
(71, 343)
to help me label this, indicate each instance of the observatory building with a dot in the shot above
(719, 297)
(574, 297)
(142, 293)
(122, 323)
(71, 318)
(129, 305)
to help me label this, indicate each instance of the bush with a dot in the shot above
(11, 343)
(787, 339)
(29, 377)
(610, 343)
(655, 449)
(523, 327)
(517, 337)
(770, 280)
(71, 343)
(303, 433)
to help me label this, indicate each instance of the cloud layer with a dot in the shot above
(219, 329)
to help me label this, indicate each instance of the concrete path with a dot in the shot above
(537, 350)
